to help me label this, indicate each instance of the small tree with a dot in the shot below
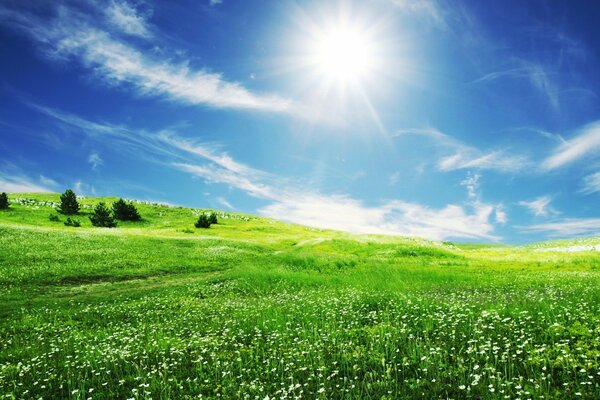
(212, 218)
(68, 203)
(203, 221)
(3, 201)
(101, 216)
(125, 211)
(72, 222)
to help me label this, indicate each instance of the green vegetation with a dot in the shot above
(4, 201)
(257, 308)
(102, 217)
(72, 222)
(203, 221)
(212, 218)
(125, 211)
(68, 203)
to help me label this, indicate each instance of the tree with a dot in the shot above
(72, 222)
(125, 211)
(3, 201)
(68, 203)
(212, 218)
(101, 216)
(203, 221)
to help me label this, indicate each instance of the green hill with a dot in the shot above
(258, 308)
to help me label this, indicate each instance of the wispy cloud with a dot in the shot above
(566, 227)
(95, 160)
(225, 203)
(584, 143)
(500, 214)
(342, 212)
(428, 9)
(548, 135)
(464, 156)
(215, 2)
(591, 184)
(540, 207)
(73, 35)
(125, 17)
(10, 182)
(537, 74)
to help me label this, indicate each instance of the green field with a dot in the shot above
(254, 308)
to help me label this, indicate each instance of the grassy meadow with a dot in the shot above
(254, 308)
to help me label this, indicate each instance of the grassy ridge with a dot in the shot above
(253, 307)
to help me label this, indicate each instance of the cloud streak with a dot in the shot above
(125, 17)
(566, 227)
(464, 156)
(585, 143)
(539, 207)
(21, 183)
(537, 75)
(73, 35)
(342, 212)
(345, 213)
(591, 184)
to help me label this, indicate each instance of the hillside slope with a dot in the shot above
(257, 308)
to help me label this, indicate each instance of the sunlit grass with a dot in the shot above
(255, 308)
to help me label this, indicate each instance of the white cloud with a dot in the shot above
(585, 142)
(496, 160)
(464, 156)
(20, 183)
(540, 207)
(591, 184)
(392, 218)
(73, 35)
(566, 227)
(82, 188)
(501, 215)
(215, 2)
(472, 185)
(125, 17)
(46, 182)
(345, 213)
(95, 160)
(225, 203)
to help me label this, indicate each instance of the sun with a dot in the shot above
(343, 54)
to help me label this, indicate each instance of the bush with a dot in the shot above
(72, 222)
(3, 201)
(212, 218)
(53, 217)
(101, 217)
(125, 211)
(203, 221)
(68, 203)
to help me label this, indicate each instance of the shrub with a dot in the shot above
(203, 221)
(101, 216)
(212, 218)
(68, 203)
(72, 222)
(3, 201)
(125, 211)
(53, 217)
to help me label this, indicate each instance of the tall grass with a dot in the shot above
(258, 309)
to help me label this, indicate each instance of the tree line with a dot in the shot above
(102, 215)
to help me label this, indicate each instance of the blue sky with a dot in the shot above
(468, 121)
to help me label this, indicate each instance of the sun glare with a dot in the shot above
(343, 54)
